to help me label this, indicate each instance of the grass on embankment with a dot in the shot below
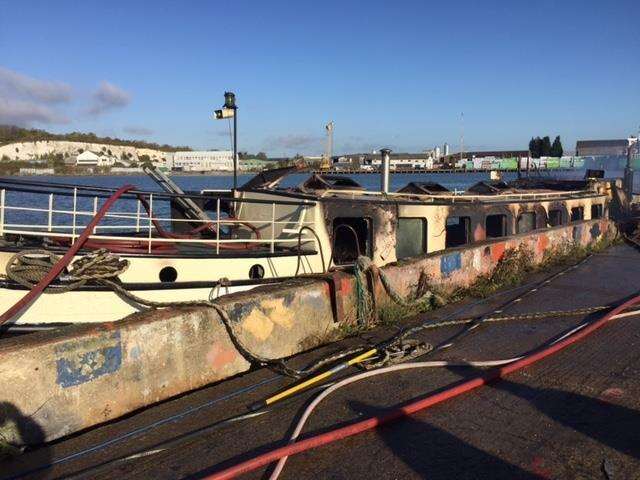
(511, 270)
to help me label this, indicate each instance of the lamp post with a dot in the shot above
(230, 109)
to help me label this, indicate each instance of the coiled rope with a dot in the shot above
(29, 267)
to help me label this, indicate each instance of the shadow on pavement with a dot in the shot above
(612, 425)
(436, 454)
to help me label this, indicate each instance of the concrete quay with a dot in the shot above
(573, 415)
(65, 381)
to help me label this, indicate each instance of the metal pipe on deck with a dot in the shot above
(385, 169)
(628, 170)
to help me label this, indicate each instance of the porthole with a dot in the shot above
(256, 271)
(168, 275)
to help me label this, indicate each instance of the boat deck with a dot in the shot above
(573, 415)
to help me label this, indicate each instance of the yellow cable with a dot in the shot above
(319, 377)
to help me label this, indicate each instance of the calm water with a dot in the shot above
(453, 181)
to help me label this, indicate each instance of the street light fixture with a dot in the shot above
(228, 110)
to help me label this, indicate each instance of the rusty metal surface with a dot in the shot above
(574, 415)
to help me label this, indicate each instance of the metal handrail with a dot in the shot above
(141, 218)
(135, 216)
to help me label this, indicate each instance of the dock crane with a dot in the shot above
(328, 152)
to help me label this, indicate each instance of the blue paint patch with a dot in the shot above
(450, 263)
(135, 352)
(595, 231)
(577, 232)
(84, 360)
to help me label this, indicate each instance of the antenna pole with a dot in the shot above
(461, 135)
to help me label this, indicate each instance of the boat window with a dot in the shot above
(168, 275)
(554, 217)
(596, 211)
(577, 213)
(458, 231)
(526, 222)
(351, 237)
(411, 237)
(256, 271)
(496, 226)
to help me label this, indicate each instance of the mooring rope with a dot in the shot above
(365, 302)
(102, 267)
(29, 267)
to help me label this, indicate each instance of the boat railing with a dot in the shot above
(146, 220)
(461, 197)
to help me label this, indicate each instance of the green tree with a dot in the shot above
(556, 148)
(535, 147)
(261, 156)
(546, 146)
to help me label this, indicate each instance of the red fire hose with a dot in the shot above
(66, 258)
(424, 403)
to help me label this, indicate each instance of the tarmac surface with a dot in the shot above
(575, 414)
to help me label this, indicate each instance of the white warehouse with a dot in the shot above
(91, 159)
(201, 161)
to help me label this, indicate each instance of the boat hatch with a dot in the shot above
(425, 188)
(330, 182)
(489, 187)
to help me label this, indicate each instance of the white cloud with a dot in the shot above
(14, 84)
(295, 141)
(108, 97)
(25, 100)
(133, 130)
(26, 113)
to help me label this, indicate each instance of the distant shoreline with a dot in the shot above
(128, 174)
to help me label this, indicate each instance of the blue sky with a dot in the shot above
(387, 73)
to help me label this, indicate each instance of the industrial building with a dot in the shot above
(202, 161)
(90, 159)
(590, 148)
(478, 157)
(373, 160)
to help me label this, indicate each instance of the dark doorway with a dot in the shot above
(577, 213)
(458, 231)
(496, 226)
(554, 217)
(351, 237)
